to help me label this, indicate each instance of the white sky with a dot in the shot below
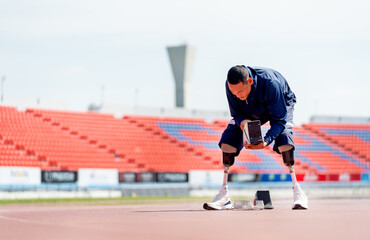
(63, 52)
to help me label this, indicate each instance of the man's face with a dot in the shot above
(241, 90)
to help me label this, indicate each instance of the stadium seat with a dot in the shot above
(64, 140)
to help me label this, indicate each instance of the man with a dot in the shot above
(258, 94)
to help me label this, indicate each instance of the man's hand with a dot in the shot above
(242, 124)
(261, 145)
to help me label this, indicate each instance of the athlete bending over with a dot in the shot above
(258, 94)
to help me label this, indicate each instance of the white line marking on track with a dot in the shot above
(24, 221)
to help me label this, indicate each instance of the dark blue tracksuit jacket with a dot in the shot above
(270, 99)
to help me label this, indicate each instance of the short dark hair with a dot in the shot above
(237, 74)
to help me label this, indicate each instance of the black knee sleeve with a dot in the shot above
(228, 159)
(288, 157)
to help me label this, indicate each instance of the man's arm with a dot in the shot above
(277, 110)
(235, 109)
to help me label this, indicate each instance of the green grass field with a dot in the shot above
(112, 201)
(104, 201)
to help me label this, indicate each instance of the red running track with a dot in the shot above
(326, 219)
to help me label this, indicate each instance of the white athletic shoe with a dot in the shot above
(222, 201)
(300, 198)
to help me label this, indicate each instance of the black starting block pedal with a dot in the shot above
(252, 132)
(265, 197)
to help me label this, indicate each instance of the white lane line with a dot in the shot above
(67, 208)
(23, 220)
(20, 220)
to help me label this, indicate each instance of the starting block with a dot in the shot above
(243, 205)
(264, 196)
(249, 205)
(252, 132)
(261, 201)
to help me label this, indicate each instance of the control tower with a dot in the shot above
(182, 59)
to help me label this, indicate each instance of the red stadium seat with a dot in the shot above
(63, 140)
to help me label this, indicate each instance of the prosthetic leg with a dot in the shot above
(226, 174)
(222, 200)
(288, 157)
(228, 159)
(300, 198)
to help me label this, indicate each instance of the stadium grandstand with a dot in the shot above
(64, 141)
